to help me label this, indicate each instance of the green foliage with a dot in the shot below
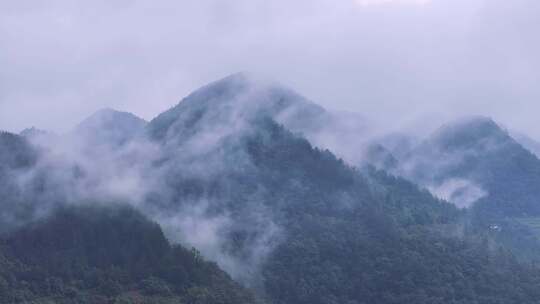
(345, 235)
(15, 152)
(330, 260)
(353, 236)
(480, 152)
(105, 255)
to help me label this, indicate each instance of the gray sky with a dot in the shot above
(395, 61)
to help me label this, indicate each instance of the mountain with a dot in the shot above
(33, 132)
(108, 126)
(17, 157)
(235, 99)
(91, 163)
(106, 254)
(527, 142)
(397, 144)
(479, 153)
(15, 151)
(234, 170)
(299, 225)
(63, 240)
(379, 157)
(475, 163)
(226, 105)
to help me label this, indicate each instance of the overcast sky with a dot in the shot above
(391, 60)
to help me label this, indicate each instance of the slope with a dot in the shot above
(479, 151)
(301, 226)
(108, 126)
(98, 254)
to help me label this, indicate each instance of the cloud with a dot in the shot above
(461, 192)
(393, 63)
(384, 2)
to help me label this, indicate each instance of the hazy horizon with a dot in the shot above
(393, 61)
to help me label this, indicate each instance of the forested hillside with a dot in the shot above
(373, 238)
(106, 254)
(475, 163)
(342, 235)
(230, 172)
(479, 151)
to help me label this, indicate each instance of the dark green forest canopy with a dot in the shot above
(303, 226)
(15, 152)
(393, 244)
(362, 236)
(484, 156)
(479, 150)
(113, 254)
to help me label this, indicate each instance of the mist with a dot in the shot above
(294, 145)
(403, 64)
(179, 179)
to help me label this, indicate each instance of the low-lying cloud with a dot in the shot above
(461, 192)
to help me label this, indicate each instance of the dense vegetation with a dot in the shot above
(292, 222)
(106, 255)
(17, 156)
(15, 152)
(480, 152)
(354, 236)
(395, 244)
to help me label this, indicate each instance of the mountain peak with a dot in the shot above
(230, 101)
(469, 131)
(110, 125)
(473, 121)
(470, 122)
(107, 111)
(229, 85)
(32, 132)
(109, 114)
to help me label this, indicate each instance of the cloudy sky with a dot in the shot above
(395, 61)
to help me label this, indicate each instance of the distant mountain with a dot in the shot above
(397, 144)
(477, 152)
(233, 100)
(469, 132)
(109, 126)
(527, 142)
(226, 105)
(33, 132)
(475, 163)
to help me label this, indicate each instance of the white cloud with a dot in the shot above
(384, 2)
(461, 192)
(393, 60)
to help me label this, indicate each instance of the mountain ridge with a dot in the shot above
(224, 172)
(108, 126)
